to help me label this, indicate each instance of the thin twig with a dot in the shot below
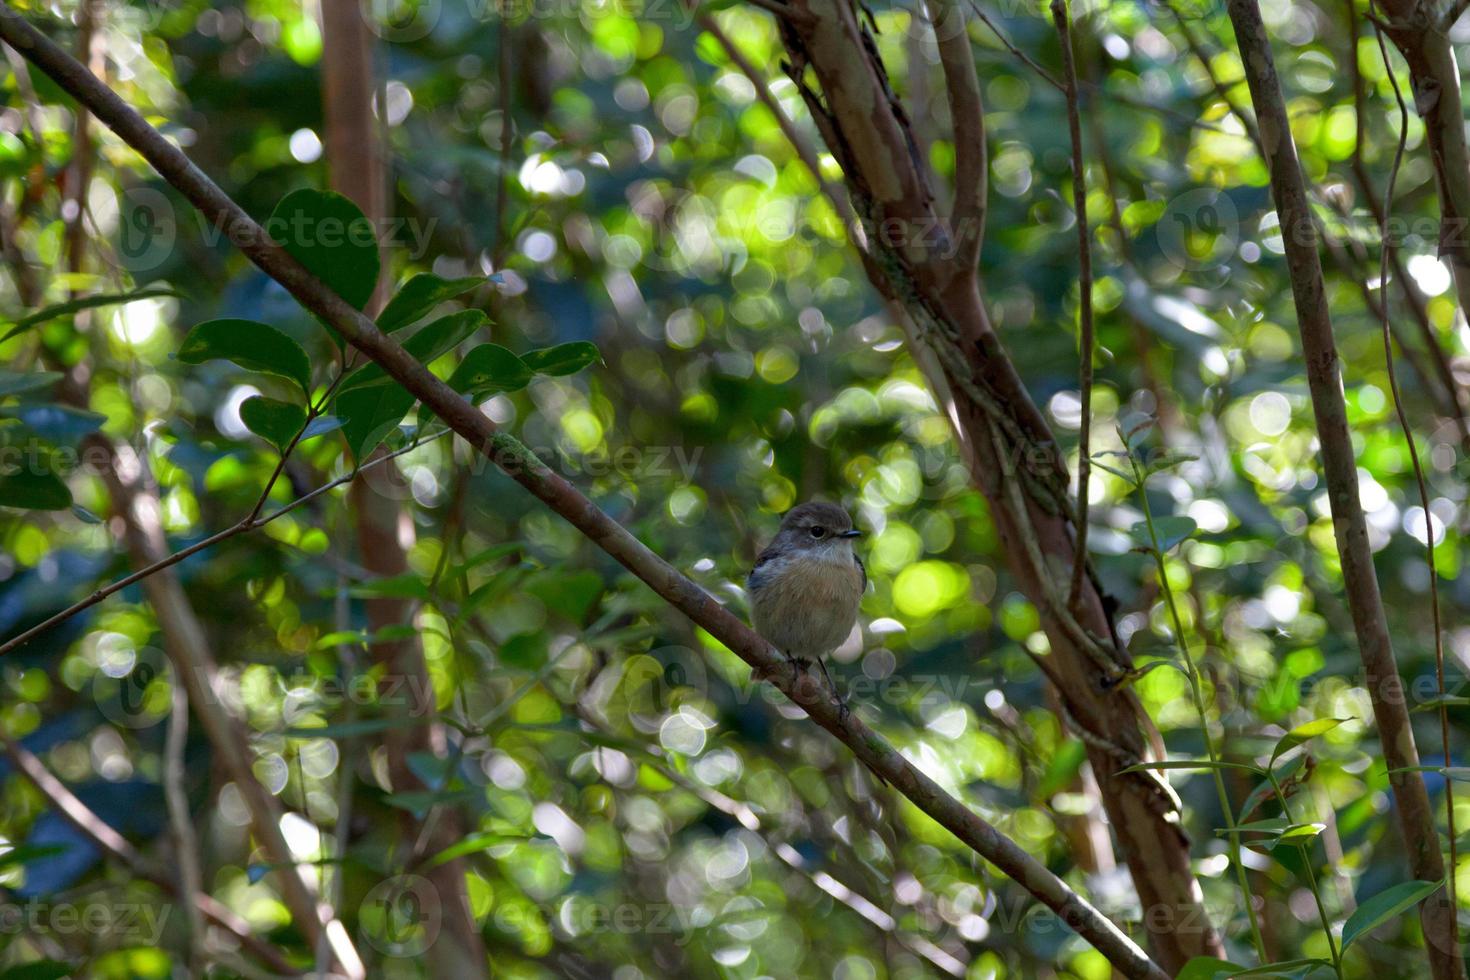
(70, 808)
(1062, 19)
(799, 143)
(186, 841)
(967, 122)
(246, 524)
(501, 230)
(1005, 41)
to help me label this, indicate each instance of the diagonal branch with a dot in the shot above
(523, 466)
(109, 841)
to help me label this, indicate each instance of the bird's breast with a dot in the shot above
(806, 606)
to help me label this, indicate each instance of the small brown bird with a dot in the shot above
(806, 586)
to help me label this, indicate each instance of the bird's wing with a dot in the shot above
(863, 571)
(765, 564)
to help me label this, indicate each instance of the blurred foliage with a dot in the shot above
(637, 807)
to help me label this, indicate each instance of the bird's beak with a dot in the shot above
(851, 534)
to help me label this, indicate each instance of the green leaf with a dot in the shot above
(1304, 733)
(55, 423)
(1301, 832)
(369, 414)
(19, 382)
(487, 370)
(1120, 474)
(364, 726)
(253, 346)
(473, 844)
(1158, 462)
(1286, 968)
(1208, 968)
(1065, 763)
(1192, 764)
(492, 553)
(331, 236)
(38, 970)
(1170, 531)
(419, 802)
(409, 585)
(339, 638)
(1384, 906)
(30, 852)
(1264, 790)
(1276, 832)
(524, 651)
(435, 339)
(84, 303)
(1459, 774)
(29, 490)
(1448, 700)
(1136, 428)
(563, 359)
(1271, 825)
(419, 295)
(321, 425)
(274, 421)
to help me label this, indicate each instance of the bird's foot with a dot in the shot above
(842, 708)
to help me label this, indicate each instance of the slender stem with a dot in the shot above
(1086, 342)
(1311, 876)
(240, 527)
(1191, 671)
(1398, 406)
(1414, 811)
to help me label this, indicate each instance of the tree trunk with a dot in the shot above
(1339, 469)
(927, 264)
(355, 155)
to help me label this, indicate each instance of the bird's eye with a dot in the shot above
(818, 532)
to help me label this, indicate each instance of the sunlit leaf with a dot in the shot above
(473, 844)
(83, 303)
(1304, 733)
